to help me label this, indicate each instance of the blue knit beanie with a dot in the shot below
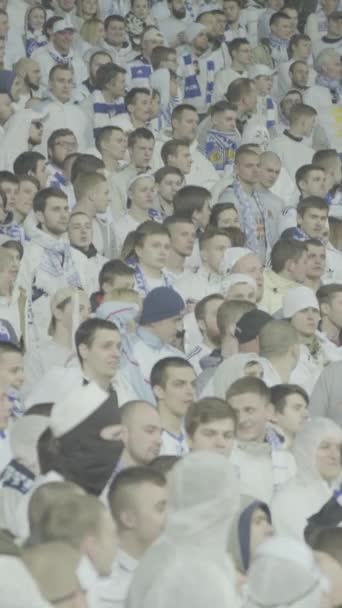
(161, 303)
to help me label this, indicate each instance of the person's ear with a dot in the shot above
(270, 412)
(124, 435)
(159, 392)
(40, 217)
(83, 350)
(127, 519)
(325, 309)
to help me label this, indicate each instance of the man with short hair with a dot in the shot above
(168, 181)
(206, 319)
(80, 233)
(290, 403)
(61, 144)
(138, 110)
(116, 41)
(210, 425)
(330, 298)
(137, 499)
(182, 239)
(254, 220)
(325, 95)
(290, 147)
(140, 148)
(49, 262)
(173, 384)
(31, 163)
(93, 197)
(62, 112)
(315, 263)
(210, 277)
(241, 55)
(288, 268)
(279, 352)
(106, 102)
(263, 464)
(184, 127)
(141, 434)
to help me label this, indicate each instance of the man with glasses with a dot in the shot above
(60, 145)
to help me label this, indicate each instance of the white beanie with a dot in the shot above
(297, 299)
(76, 407)
(194, 30)
(233, 255)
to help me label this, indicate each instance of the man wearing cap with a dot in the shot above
(301, 308)
(160, 323)
(266, 106)
(59, 51)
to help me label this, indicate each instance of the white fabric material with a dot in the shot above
(74, 409)
(18, 589)
(292, 154)
(307, 492)
(297, 299)
(284, 573)
(204, 497)
(230, 370)
(17, 135)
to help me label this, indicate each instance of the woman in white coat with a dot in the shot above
(317, 450)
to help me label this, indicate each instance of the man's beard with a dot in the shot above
(179, 13)
(31, 85)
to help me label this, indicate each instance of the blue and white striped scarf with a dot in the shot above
(104, 111)
(34, 41)
(140, 71)
(248, 219)
(192, 89)
(59, 59)
(270, 113)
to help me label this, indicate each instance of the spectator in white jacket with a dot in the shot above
(317, 450)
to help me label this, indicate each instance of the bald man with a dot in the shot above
(269, 171)
(30, 73)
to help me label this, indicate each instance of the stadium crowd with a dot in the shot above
(170, 303)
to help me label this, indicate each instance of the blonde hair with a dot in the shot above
(89, 30)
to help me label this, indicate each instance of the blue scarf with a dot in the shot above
(270, 113)
(192, 89)
(278, 43)
(59, 59)
(140, 70)
(104, 111)
(34, 41)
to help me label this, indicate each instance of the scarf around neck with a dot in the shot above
(57, 260)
